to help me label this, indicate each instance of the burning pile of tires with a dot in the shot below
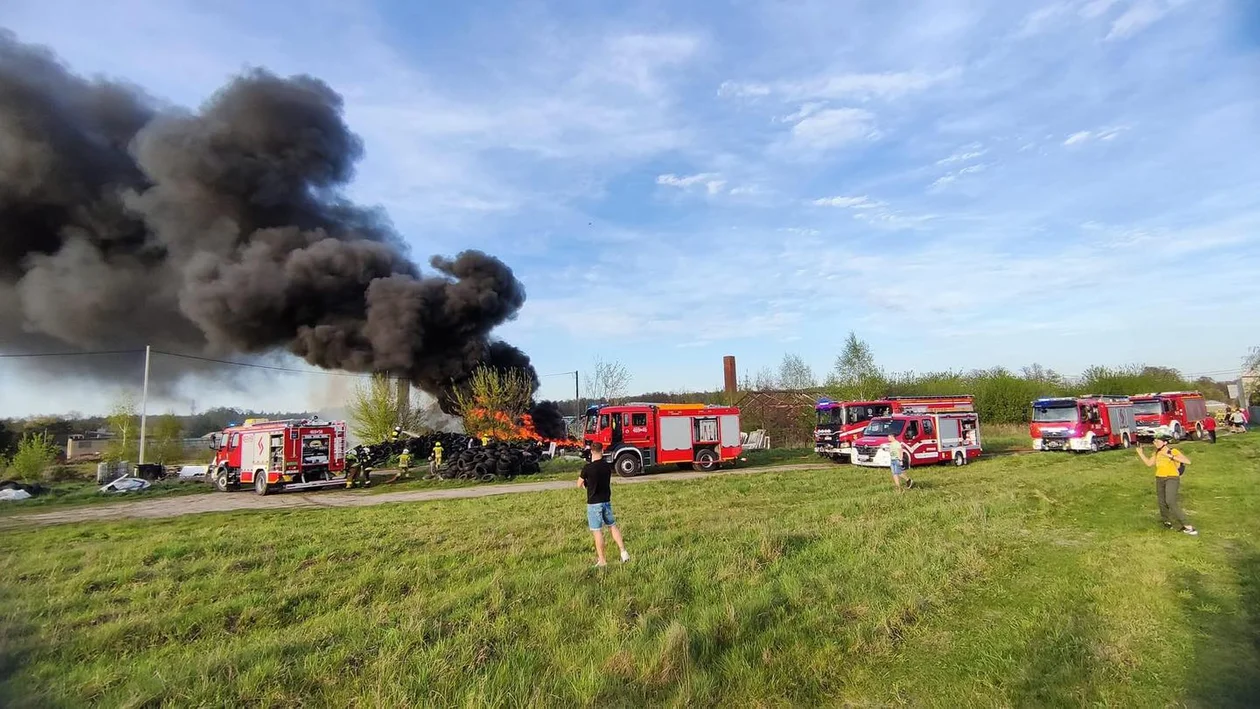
(463, 457)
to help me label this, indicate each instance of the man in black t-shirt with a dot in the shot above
(596, 477)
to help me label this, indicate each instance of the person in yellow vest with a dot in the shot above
(1169, 464)
(435, 459)
(404, 465)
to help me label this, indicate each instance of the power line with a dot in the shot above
(71, 354)
(252, 365)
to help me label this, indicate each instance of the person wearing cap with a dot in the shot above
(1169, 463)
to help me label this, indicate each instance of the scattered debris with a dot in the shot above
(30, 490)
(126, 484)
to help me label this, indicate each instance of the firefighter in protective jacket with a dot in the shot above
(352, 468)
(404, 465)
(435, 458)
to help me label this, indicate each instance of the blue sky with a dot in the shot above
(963, 183)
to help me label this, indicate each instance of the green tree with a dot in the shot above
(375, 409)
(855, 373)
(34, 454)
(166, 445)
(124, 423)
(794, 373)
(494, 402)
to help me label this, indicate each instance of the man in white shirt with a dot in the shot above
(895, 455)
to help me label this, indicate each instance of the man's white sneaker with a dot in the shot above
(1190, 530)
(625, 556)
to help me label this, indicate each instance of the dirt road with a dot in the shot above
(227, 502)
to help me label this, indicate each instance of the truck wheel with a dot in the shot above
(222, 482)
(960, 458)
(1093, 445)
(1177, 433)
(905, 462)
(627, 465)
(706, 460)
(260, 484)
(1198, 432)
(1125, 442)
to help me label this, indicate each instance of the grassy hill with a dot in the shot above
(1034, 580)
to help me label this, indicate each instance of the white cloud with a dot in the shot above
(834, 127)
(1078, 137)
(970, 169)
(968, 153)
(711, 181)
(1138, 17)
(943, 180)
(1085, 136)
(1043, 18)
(803, 112)
(862, 202)
(884, 85)
(1096, 8)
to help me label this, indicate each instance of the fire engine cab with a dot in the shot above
(1087, 423)
(840, 423)
(293, 454)
(925, 439)
(640, 435)
(1180, 414)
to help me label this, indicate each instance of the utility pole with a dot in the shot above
(144, 401)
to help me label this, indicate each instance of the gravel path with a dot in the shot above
(246, 500)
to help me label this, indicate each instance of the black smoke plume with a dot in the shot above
(548, 420)
(220, 231)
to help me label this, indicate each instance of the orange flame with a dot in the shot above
(481, 422)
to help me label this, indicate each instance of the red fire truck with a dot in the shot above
(1088, 423)
(641, 435)
(926, 439)
(1178, 413)
(840, 423)
(293, 454)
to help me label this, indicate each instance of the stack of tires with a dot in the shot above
(495, 461)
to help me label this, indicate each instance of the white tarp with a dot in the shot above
(14, 495)
(194, 471)
(126, 484)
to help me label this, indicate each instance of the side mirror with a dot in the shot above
(215, 442)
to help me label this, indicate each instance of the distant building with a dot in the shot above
(87, 446)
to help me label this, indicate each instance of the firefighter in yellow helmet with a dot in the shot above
(435, 459)
(352, 468)
(404, 464)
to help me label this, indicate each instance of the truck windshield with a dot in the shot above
(830, 417)
(1056, 414)
(866, 412)
(885, 427)
(591, 424)
(1146, 408)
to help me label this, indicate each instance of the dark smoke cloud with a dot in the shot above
(548, 420)
(219, 231)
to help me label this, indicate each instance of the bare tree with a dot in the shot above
(608, 381)
(794, 373)
(764, 380)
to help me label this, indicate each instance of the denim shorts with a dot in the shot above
(895, 464)
(599, 514)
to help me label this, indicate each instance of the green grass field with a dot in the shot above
(1032, 580)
